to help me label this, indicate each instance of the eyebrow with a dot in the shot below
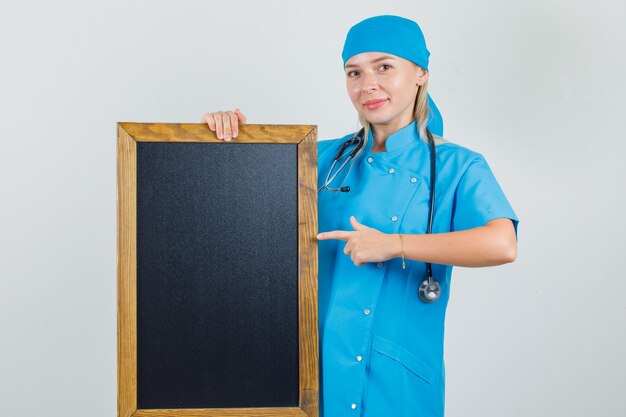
(374, 60)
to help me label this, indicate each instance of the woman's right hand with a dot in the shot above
(224, 123)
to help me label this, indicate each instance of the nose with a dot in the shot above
(369, 82)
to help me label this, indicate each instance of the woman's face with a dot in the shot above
(389, 82)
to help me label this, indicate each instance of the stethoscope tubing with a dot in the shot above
(429, 290)
(358, 139)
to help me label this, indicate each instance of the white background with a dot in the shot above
(538, 87)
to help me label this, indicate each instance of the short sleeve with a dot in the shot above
(479, 199)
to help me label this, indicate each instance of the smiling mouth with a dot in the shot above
(374, 104)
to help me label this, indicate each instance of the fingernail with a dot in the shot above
(234, 134)
(227, 137)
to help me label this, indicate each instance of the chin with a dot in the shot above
(378, 119)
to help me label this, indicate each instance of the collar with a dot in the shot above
(399, 139)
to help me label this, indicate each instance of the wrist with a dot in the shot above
(401, 251)
(397, 245)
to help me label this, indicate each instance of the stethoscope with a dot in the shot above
(429, 290)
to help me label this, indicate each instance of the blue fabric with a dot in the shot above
(435, 120)
(401, 373)
(387, 33)
(397, 36)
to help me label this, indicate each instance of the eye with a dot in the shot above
(385, 65)
(349, 74)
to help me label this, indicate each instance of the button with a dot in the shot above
(413, 180)
(367, 311)
(379, 264)
(370, 160)
(394, 218)
(391, 170)
(359, 358)
(353, 406)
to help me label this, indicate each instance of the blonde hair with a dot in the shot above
(421, 113)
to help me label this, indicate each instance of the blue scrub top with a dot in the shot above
(381, 347)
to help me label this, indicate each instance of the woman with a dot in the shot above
(381, 340)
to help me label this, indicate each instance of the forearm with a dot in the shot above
(489, 245)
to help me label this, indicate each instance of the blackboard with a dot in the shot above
(219, 296)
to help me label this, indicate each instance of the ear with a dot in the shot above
(422, 76)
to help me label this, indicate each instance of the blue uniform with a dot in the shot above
(381, 346)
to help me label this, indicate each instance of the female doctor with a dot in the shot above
(381, 317)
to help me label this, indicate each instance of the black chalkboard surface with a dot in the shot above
(217, 275)
(219, 296)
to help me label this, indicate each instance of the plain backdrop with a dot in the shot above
(536, 86)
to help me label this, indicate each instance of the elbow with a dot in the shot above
(504, 241)
(509, 254)
(501, 256)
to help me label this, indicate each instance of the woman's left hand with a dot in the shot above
(365, 244)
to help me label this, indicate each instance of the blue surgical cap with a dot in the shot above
(397, 36)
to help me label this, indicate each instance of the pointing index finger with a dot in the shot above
(335, 234)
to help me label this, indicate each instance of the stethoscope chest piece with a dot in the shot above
(429, 291)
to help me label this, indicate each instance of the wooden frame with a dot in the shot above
(305, 136)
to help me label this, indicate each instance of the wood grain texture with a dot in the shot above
(305, 136)
(126, 274)
(307, 267)
(200, 132)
